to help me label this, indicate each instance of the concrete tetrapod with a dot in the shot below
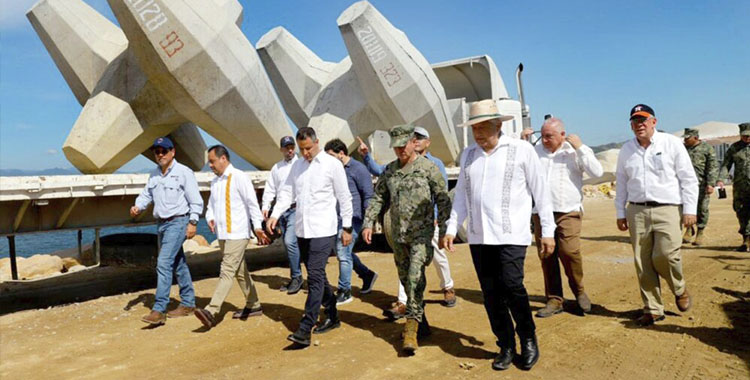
(196, 56)
(123, 113)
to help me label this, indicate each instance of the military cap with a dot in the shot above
(690, 132)
(744, 129)
(401, 134)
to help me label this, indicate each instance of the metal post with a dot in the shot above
(80, 245)
(97, 245)
(13, 265)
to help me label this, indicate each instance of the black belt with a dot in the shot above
(652, 204)
(171, 218)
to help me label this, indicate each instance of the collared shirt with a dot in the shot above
(233, 205)
(316, 186)
(495, 191)
(276, 178)
(360, 186)
(173, 193)
(662, 173)
(563, 171)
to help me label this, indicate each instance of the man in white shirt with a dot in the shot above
(564, 159)
(499, 176)
(276, 178)
(655, 177)
(315, 184)
(232, 213)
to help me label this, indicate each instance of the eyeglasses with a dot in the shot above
(639, 120)
(161, 151)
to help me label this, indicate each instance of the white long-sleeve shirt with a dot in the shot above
(276, 178)
(233, 204)
(495, 191)
(564, 170)
(661, 173)
(316, 186)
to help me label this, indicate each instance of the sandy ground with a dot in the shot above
(101, 339)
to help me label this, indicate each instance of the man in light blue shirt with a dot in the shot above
(177, 206)
(442, 266)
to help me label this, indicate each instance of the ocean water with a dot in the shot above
(48, 242)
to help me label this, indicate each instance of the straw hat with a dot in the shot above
(484, 110)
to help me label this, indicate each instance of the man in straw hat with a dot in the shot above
(738, 155)
(498, 179)
(706, 168)
(413, 185)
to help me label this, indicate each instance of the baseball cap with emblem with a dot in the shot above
(484, 110)
(400, 135)
(286, 140)
(641, 110)
(744, 129)
(690, 132)
(421, 132)
(163, 142)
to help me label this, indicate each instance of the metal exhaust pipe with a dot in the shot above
(525, 119)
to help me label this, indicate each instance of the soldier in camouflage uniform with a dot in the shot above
(738, 155)
(706, 168)
(412, 185)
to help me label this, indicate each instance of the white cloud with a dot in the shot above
(51, 152)
(13, 13)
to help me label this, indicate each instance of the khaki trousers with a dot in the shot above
(567, 251)
(656, 238)
(233, 266)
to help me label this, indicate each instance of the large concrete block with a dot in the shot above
(123, 112)
(194, 53)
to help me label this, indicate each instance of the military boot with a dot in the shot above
(698, 237)
(410, 336)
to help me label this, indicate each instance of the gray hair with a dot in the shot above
(555, 123)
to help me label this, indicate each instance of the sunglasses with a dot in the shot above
(160, 151)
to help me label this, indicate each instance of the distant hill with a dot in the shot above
(602, 148)
(22, 172)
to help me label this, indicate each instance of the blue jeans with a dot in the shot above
(171, 261)
(348, 260)
(286, 224)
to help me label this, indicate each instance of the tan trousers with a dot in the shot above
(656, 238)
(233, 266)
(567, 251)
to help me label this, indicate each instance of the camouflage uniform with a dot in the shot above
(412, 192)
(706, 168)
(738, 155)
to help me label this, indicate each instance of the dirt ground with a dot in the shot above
(104, 338)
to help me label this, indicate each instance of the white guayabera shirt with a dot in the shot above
(316, 186)
(661, 173)
(233, 205)
(495, 191)
(564, 170)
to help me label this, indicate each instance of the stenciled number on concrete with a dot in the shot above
(171, 39)
(149, 7)
(371, 44)
(390, 74)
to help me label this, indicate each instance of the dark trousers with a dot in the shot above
(314, 254)
(500, 272)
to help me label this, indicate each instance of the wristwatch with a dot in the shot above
(193, 222)
(347, 229)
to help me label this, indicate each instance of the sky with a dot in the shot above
(587, 62)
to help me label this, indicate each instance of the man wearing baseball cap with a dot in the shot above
(738, 155)
(177, 206)
(657, 190)
(276, 178)
(412, 185)
(706, 168)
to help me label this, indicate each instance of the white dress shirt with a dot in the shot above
(495, 190)
(316, 186)
(563, 171)
(233, 204)
(276, 178)
(661, 173)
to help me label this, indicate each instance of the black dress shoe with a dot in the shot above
(327, 325)
(504, 359)
(300, 337)
(529, 353)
